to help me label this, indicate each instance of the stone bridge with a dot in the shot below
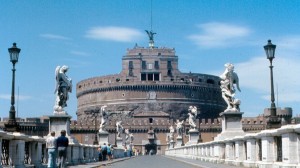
(266, 149)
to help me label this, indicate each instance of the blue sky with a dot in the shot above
(92, 36)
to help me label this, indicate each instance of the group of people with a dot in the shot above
(57, 146)
(105, 152)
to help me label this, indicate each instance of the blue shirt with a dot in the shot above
(62, 141)
(108, 148)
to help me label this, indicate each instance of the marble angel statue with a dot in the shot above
(103, 116)
(179, 127)
(229, 83)
(171, 134)
(119, 128)
(192, 117)
(128, 136)
(62, 88)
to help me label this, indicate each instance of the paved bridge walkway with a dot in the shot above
(155, 161)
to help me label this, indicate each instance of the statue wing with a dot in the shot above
(56, 78)
(147, 32)
(236, 81)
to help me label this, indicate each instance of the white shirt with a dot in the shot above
(51, 142)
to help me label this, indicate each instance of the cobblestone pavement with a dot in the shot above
(200, 163)
(148, 161)
(155, 161)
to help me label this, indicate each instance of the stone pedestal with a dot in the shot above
(193, 137)
(179, 141)
(231, 125)
(59, 122)
(119, 142)
(171, 144)
(103, 137)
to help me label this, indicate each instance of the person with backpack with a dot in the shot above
(104, 151)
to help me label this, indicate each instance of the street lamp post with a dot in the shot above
(12, 125)
(273, 121)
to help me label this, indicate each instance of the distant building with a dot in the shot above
(149, 95)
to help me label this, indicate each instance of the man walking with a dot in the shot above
(51, 146)
(62, 144)
(104, 151)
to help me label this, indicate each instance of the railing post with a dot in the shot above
(229, 152)
(35, 148)
(81, 153)
(268, 147)
(251, 150)
(17, 149)
(290, 151)
(239, 151)
(76, 154)
(1, 136)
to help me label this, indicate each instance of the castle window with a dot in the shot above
(118, 80)
(130, 72)
(144, 66)
(150, 66)
(143, 77)
(150, 77)
(151, 120)
(127, 80)
(156, 77)
(130, 65)
(159, 54)
(79, 86)
(210, 81)
(156, 65)
(169, 65)
(169, 72)
(199, 80)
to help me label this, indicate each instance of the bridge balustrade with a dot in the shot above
(268, 148)
(20, 150)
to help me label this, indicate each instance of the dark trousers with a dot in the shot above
(104, 153)
(62, 155)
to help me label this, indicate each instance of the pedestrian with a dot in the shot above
(112, 151)
(125, 151)
(51, 147)
(62, 145)
(99, 153)
(130, 149)
(104, 151)
(109, 153)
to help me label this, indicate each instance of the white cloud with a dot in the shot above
(8, 97)
(54, 36)
(120, 34)
(255, 74)
(80, 53)
(215, 35)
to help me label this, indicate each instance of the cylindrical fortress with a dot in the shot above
(150, 82)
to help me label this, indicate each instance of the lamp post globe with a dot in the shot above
(12, 125)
